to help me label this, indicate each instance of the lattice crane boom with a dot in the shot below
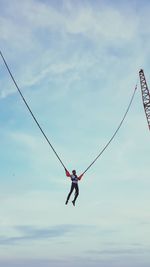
(145, 96)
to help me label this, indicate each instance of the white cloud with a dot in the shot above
(99, 25)
(79, 65)
(105, 24)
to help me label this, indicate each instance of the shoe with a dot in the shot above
(66, 202)
(73, 202)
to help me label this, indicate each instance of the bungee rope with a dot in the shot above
(29, 109)
(46, 138)
(113, 134)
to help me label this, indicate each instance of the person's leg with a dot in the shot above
(71, 190)
(76, 194)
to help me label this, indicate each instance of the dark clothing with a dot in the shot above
(73, 186)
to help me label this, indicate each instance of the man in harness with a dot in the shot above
(74, 185)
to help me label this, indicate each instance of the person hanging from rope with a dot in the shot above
(74, 180)
(74, 185)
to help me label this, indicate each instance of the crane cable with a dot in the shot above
(36, 121)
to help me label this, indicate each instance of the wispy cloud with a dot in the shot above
(76, 63)
(41, 262)
(122, 251)
(104, 27)
(31, 233)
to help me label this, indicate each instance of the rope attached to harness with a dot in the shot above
(29, 109)
(46, 138)
(113, 134)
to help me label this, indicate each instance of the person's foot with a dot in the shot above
(73, 202)
(66, 202)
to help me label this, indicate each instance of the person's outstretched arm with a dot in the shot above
(79, 178)
(67, 173)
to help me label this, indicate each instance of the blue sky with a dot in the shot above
(77, 65)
